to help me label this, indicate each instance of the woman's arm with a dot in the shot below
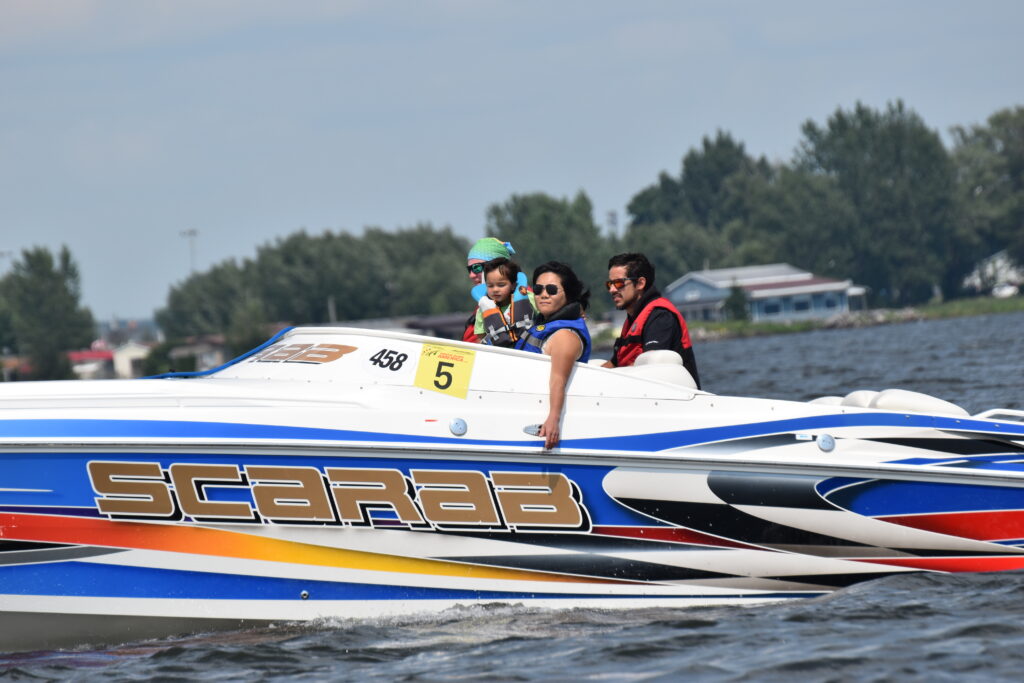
(564, 347)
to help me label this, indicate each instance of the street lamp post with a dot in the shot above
(191, 234)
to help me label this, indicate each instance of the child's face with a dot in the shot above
(499, 287)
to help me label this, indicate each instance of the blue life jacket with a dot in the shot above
(533, 339)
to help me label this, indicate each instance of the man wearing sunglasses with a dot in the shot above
(652, 321)
(484, 250)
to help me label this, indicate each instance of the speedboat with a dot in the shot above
(346, 473)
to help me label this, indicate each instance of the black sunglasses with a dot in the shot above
(551, 289)
(618, 283)
(476, 268)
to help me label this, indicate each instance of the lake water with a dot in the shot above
(909, 627)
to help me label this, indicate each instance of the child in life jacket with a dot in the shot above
(506, 304)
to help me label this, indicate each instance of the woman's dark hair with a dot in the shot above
(575, 292)
(509, 269)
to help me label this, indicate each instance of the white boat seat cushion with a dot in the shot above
(859, 399)
(662, 365)
(901, 399)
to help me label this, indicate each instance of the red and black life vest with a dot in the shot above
(469, 334)
(630, 343)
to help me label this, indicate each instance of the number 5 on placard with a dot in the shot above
(445, 369)
(444, 378)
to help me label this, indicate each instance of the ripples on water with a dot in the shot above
(976, 362)
(939, 627)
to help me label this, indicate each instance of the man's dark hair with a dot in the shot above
(510, 269)
(636, 265)
(575, 292)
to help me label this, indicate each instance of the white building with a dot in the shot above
(776, 291)
(129, 359)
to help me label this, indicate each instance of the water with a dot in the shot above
(936, 627)
(977, 362)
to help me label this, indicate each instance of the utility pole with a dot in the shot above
(613, 223)
(191, 234)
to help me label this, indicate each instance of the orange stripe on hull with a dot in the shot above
(221, 543)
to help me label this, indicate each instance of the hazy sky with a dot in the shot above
(124, 122)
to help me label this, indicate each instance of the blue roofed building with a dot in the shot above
(776, 291)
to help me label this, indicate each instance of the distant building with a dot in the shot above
(118, 331)
(92, 363)
(998, 269)
(129, 360)
(777, 291)
(199, 354)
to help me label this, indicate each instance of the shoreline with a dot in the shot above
(957, 308)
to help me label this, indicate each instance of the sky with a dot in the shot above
(125, 125)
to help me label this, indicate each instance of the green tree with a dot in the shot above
(796, 217)
(698, 219)
(425, 268)
(898, 177)
(42, 298)
(8, 342)
(702, 194)
(662, 202)
(736, 304)
(675, 248)
(205, 302)
(710, 177)
(248, 327)
(989, 162)
(313, 279)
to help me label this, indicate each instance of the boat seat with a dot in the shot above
(662, 365)
(893, 399)
(859, 399)
(901, 399)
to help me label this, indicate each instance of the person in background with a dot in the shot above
(482, 251)
(652, 321)
(559, 331)
(507, 309)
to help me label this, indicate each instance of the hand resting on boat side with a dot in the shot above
(564, 347)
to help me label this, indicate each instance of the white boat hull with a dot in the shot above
(276, 491)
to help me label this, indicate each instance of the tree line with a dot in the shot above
(41, 316)
(869, 194)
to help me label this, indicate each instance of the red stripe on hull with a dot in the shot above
(991, 525)
(954, 564)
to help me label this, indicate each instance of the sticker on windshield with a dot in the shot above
(445, 369)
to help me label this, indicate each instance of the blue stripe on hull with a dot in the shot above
(886, 498)
(115, 429)
(86, 579)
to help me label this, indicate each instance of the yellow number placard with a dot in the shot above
(445, 369)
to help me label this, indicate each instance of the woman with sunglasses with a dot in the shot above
(559, 331)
